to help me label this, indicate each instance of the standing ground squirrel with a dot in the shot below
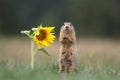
(67, 57)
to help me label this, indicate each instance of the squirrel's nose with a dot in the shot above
(66, 27)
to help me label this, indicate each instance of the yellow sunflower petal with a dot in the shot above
(43, 36)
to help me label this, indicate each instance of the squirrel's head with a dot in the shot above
(67, 27)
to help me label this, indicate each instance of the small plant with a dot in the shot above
(42, 36)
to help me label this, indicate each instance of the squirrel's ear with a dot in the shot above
(62, 26)
(71, 24)
(64, 23)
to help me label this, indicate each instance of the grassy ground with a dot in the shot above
(99, 59)
(50, 72)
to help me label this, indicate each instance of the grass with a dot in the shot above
(50, 72)
(98, 59)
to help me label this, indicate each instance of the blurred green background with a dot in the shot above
(98, 58)
(90, 17)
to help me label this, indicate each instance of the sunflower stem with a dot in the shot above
(32, 54)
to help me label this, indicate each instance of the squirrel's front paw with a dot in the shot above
(65, 38)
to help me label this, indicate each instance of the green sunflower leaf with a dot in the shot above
(43, 50)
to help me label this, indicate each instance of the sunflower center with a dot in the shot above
(42, 35)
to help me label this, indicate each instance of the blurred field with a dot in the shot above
(98, 58)
(90, 51)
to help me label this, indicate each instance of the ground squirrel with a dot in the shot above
(67, 57)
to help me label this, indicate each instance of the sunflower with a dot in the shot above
(43, 36)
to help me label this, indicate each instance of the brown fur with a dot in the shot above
(67, 57)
